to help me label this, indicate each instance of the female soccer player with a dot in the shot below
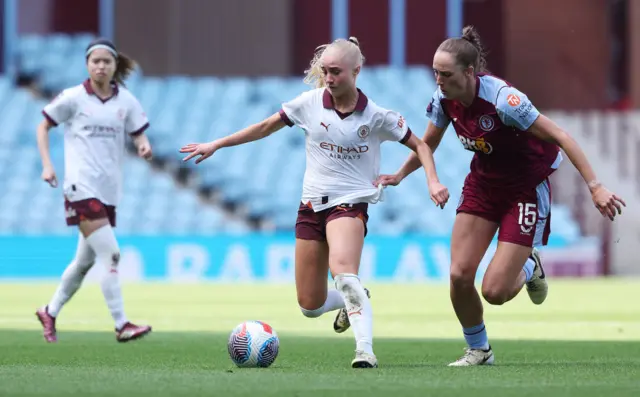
(96, 116)
(344, 130)
(516, 149)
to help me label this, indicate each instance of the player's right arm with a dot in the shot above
(438, 123)
(60, 110)
(42, 137)
(252, 133)
(292, 113)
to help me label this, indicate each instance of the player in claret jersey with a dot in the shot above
(98, 115)
(344, 130)
(507, 191)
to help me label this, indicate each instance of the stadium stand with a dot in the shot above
(253, 186)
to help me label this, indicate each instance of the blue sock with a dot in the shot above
(529, 265)
(476, 336)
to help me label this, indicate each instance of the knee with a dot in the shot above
(494, 294)
(311, 307)
(461, 276)
(314, 313)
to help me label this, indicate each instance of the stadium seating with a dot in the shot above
(263, 178)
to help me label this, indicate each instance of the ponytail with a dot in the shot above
(467, 50)
(470, 34)
(124, 67)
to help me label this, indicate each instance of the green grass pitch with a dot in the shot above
(583, 341)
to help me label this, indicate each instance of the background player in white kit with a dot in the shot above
(97, 115)
(344, 130)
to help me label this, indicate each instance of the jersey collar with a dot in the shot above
(89, 89)
(327, 101)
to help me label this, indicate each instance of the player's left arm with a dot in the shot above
(395, 128)
(606, 202)
(516, 110)
(136, 123)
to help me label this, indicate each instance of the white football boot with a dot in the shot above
(537, 287)
(341, 322)
(474, 357)
(364, 360)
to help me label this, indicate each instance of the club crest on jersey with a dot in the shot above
(122, 113)
(363, 132)
(486, 123)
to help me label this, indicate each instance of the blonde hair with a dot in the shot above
(349, 48)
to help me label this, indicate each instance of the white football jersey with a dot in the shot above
(343, 153)
(94, 139)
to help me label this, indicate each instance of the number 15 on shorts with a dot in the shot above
(528, 216)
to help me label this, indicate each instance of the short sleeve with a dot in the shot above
(136, 121)
(293, 112)
(61, 109)
(435, 112)
(394, 127)
(515, 109)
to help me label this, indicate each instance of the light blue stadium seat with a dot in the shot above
(63, 44)
(31, 44)
(81, 41)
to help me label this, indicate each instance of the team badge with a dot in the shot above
(486, 123)
(122, 113)
(363, 132)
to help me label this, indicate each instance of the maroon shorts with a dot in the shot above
(88, 209)
(524, 218)
(313, 225)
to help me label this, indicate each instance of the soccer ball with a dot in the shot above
(253, 344)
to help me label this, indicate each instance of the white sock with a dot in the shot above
(528, 268)
(72, 277)
(358, 308)
(104, 244)
(334, 302)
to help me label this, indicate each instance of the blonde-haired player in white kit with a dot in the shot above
(97, 116)
(344, 130)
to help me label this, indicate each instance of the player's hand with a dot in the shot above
(49, 176)
(388, 180)
(144, 150)
(204, 150)
(439, 194)
(607, 202)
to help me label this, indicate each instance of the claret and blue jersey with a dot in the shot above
(495, 128)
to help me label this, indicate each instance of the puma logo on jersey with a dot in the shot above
(326, 126)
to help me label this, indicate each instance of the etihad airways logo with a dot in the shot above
(342, 152)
